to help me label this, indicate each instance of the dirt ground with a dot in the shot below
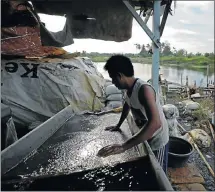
(209, 154)
(189, 123)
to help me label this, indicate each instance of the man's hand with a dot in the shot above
(113, 128)
(111, 150)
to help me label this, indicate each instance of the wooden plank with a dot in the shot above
(187, 174)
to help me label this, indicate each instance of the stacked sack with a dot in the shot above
(200, 137)
(187, 106)
(114, 96)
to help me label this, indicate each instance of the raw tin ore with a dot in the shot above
(21, 41)
(25, 41)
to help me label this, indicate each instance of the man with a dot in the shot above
(143, 102)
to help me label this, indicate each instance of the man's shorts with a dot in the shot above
(162, 156)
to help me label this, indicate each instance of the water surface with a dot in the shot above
(172, 74)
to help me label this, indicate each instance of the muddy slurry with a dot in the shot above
(68, 160)
(135, 175)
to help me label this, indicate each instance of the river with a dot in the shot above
(172, 74)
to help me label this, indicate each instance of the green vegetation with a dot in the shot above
(206, 106)
(169, 56)
(135, 59)
(205, 110)
(196, 63)
(194, 60)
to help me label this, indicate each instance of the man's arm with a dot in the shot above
(147, 98)
(124, 114)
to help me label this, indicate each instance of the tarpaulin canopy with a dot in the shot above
(97, 19)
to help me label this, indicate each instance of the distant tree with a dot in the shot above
(181, 52)
(166, 49)
(198, 54)
(212, 54)
(142, 48)
(138, 46)
(148, 46)
(143, 51)
(162, 47)
(174, 51)
(189, 55)
(207, 54)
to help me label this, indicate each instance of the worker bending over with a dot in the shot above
(143, 101)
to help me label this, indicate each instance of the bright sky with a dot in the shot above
(191, 28)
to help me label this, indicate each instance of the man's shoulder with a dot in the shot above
(145, 87)
(146, 91)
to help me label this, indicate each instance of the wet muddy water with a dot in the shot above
(136, 175)
(73, 148)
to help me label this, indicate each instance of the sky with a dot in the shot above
(191, 27)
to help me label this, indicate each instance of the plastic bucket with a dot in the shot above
(179, 152)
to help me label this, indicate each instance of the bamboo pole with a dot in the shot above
(187, 87)
(212, 131)
(203, 158)
(198, 150)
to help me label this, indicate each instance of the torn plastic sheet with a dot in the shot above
(35, 90)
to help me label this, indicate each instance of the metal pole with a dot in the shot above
(141, 23)
(165, 15)
(156, 51)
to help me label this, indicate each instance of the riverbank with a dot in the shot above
(192, 62)
(195, 62)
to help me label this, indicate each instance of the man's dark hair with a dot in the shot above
(119, 64)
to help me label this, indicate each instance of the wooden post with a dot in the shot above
(187, 87)
(207, 74)
(186, 80)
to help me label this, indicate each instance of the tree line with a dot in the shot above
(145, 50)
(167, 50)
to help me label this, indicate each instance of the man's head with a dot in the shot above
(120, 69)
